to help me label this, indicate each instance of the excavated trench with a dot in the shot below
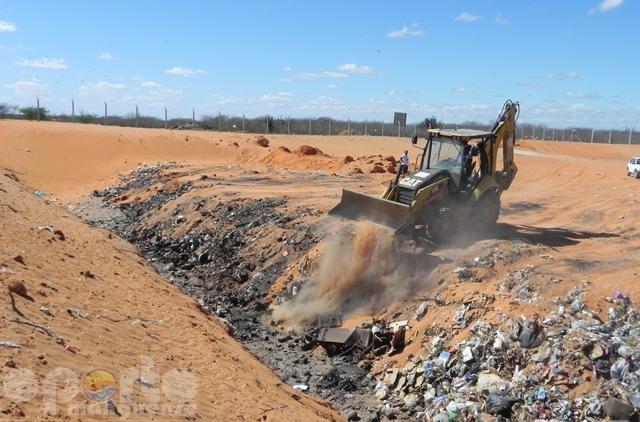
(227, 253)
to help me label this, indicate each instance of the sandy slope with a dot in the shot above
(138, 325)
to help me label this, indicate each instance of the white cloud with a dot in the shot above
(154, 98)
(105, 56)
(287, 69)
(44, 63)
(12, 48)
(501, 20)
(184, 72)
(525, 84)
(7, 26)
(354, 68)
(342, 71)
(280, 98)
(460, 90)
(581, 96)
(325, 74)
(406, 31)
(332, 86)
(561, 76)
(150, 84)
(29, 88)
(101, 89)
(467, 17)
(606, 6)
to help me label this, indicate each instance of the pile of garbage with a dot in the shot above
(526, 369)
(368, 341)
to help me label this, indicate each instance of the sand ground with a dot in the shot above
(573, 203)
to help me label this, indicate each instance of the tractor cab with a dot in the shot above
(460, 153)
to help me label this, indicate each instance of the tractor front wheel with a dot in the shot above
(441, 227)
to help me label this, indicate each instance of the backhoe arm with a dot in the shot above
(505, 131)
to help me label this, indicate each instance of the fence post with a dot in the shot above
(309, 125)
(365, 127)
(219, 121)
(630, 132)
(610, 130)
(592, 131)
(193, 117)
(522, 132)
(382, 128)
(105, 113)
(165, 117)
(288, 126)
(137, 116)
(415, 129)
(38, 108)
(562, 135)
(266, 123)
(348, 127)
(553, 134)
(329, 126)
(73, 111)
(533, 132)
(242, 122)
(544, 131)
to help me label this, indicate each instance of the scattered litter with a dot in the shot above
(49, 286)
(18, 288)
(144, 382)
(20, 259)
(87, 274)
(70, 348)
(5, 270)
(300, 387)
(77, 313)
(422, 309)
(9, 345)
(45, 310)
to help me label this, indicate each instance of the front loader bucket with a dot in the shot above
(358, 206)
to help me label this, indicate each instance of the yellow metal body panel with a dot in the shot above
(486, 183)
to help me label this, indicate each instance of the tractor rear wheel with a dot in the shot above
(487, 210)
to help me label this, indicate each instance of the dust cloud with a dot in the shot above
(362, 270)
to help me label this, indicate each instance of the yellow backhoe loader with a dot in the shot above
(455, 183)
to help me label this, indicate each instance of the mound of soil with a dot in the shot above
(285, 149)
(391, 168)
(356, 170)
(348, 159)
(390, 158)
(309, 150)
(262, 141)
(377, 169)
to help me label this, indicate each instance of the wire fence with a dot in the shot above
(269, 124)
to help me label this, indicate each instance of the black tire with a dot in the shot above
(440, 227)
(636, 174)
(487, 210)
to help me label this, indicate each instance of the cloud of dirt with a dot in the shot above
(362, 270)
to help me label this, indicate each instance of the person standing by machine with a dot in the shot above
(404, 162)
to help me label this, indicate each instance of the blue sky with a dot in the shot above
(569, 63)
